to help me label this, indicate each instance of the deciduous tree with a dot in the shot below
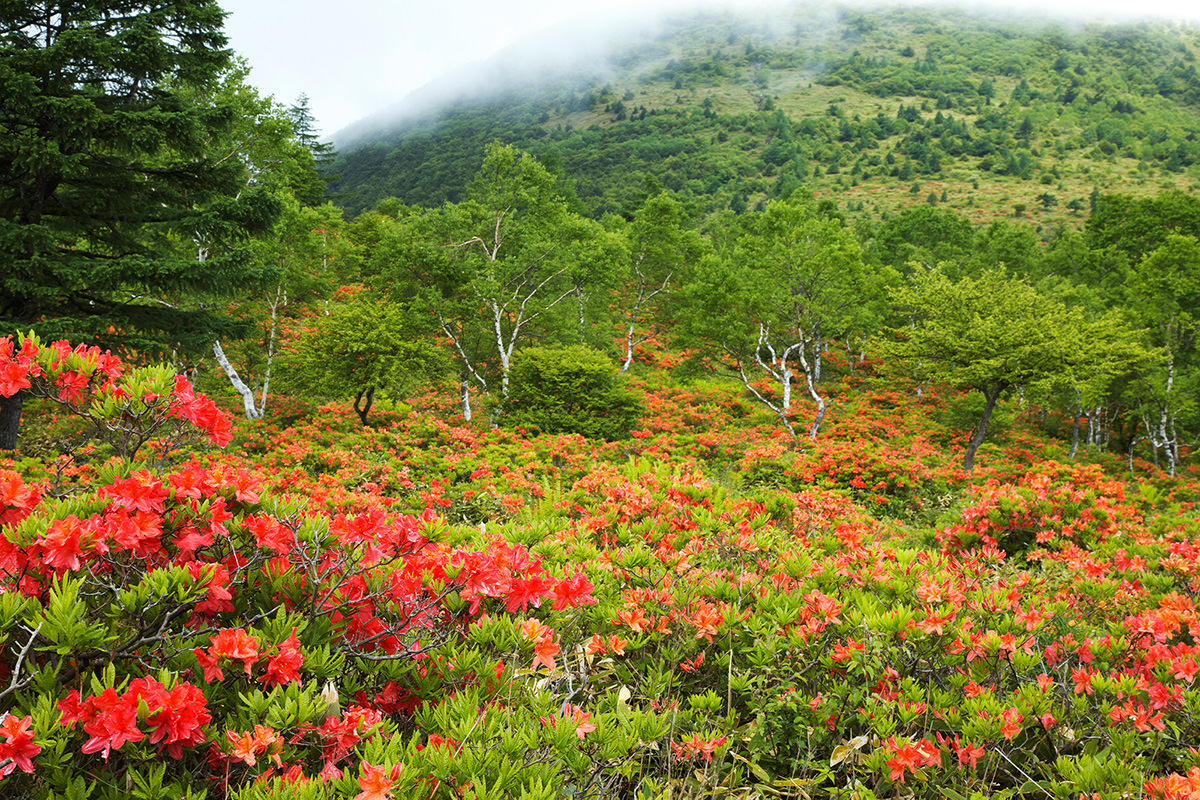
(364, 347)
(303, 248)
(989, 333)
(793, 282)
(1164, 296)
(662, 247)
(492, 267)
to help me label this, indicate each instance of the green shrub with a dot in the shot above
(569, 390)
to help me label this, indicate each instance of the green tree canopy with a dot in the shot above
(793, 282)
(492, 268)
(924, 235)
(1137, 226)
(991, 333)
(363, 347)
(106, 170)
(662, 248)
(1163, 293)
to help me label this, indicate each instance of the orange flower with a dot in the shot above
(374, 783)
(544, 653)
(235, 643)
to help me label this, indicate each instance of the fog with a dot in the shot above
(365, 63)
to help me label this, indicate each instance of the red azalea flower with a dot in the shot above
(284, 667)
(235, 643)
(375, 783)
(17, 746)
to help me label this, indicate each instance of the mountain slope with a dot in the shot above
(878, 110)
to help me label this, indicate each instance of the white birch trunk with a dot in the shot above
(239, 385)
(635, 315)
(812, 392)
(466, 398)
(763, 399)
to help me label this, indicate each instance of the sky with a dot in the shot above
(353, 58)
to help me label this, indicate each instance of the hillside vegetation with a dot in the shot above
(877, 110)
(684, 452)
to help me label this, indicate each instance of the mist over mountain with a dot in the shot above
(876, 109)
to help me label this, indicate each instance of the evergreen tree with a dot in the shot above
(323, 153)
(104, 172)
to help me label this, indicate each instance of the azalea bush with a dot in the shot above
(428, 609)
(187, 615)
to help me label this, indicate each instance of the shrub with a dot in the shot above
(569, 390)
(166, 632)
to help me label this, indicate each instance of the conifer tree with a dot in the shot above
(314, 190)
(112, 205)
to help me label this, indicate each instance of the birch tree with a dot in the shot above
(661, 249)
(1164, 297)
(302, 250)
(492, 268)
(793, 282)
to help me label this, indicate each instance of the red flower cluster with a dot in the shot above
(340, 734)
(174, 718)
(697, 747)
(68, 375)
(1175, 786)
(376, 782)
(909, 756)
(17, 499)
(202, 412)
(235, 644)
(247, 747)
(545, 643)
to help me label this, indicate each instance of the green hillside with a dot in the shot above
(877, 110)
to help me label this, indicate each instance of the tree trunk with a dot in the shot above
(1076, 412)
(362, 412)
(581, 302)
(465, 380)
(981, 429)
(239, 385)
(1132, 444)
(629, 344)
(763, 399)
(10, 420)
(809, 378)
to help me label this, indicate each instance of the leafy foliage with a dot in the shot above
(107, 166)
(569, 390)
(363, 346)
(624, 622)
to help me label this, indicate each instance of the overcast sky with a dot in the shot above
(355, 57)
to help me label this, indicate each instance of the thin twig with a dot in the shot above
(12, 684)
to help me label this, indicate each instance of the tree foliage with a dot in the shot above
(107, 167)
(364, 347)
(990, 333)
(793, 282)
(569, 390)
(108, 175)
